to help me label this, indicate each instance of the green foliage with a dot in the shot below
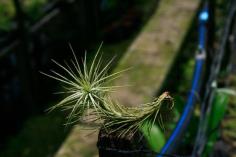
(155, 137)
(33, 8)
(6, 14)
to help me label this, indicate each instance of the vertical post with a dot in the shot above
(210, 35)
(211, 25)
(23, 58)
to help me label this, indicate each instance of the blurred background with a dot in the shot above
(32, 32)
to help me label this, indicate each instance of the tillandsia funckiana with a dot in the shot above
(88, 88)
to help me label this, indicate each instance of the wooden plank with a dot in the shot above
(150, 56)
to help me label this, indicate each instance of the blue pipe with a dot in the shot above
(189, 107)
(203, 19)
(185, 118)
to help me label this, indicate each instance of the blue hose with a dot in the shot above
(185, 118)
(189, 107)
(203, 19)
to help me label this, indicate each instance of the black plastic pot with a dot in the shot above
(110, 145)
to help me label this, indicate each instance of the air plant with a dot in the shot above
(87, 89)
